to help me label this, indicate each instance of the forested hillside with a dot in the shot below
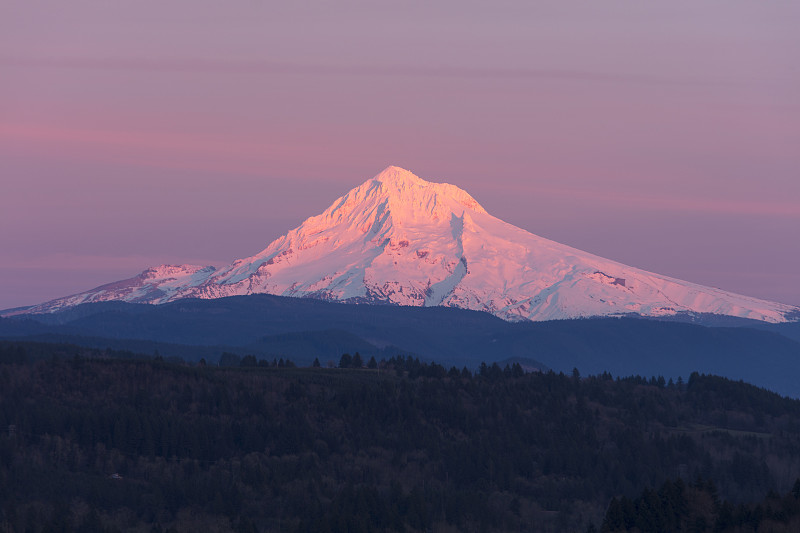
(93, 441)
(303, 329)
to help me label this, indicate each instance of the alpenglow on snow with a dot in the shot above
(399, 239)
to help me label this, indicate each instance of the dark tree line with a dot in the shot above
(98, 440)
(678, 506)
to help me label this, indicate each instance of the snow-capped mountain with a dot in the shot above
(398, 239)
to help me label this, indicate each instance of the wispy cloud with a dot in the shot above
(676, 203)
(77, 262)
(282, 67)
(197, 151)
(234, 154)
(138, 139)
(156, 147)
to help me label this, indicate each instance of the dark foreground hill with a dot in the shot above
(305, 329)
(97, 443)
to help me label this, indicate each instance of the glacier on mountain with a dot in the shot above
(398, 239)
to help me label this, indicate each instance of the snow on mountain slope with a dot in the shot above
(154, 285)
(398, 239)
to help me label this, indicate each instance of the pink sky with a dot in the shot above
(661, 134)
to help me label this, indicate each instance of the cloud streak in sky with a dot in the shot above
(229, 157)
(665, 202)
(68, 261)
(195, 65)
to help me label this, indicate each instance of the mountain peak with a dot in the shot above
(406, 189)
(398, 175)
(400, 239)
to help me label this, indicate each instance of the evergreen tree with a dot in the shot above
(229, 359)
(248, 361)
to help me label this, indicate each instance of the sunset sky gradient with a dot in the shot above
(665, 135)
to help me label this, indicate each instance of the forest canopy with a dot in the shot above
(98, 440)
